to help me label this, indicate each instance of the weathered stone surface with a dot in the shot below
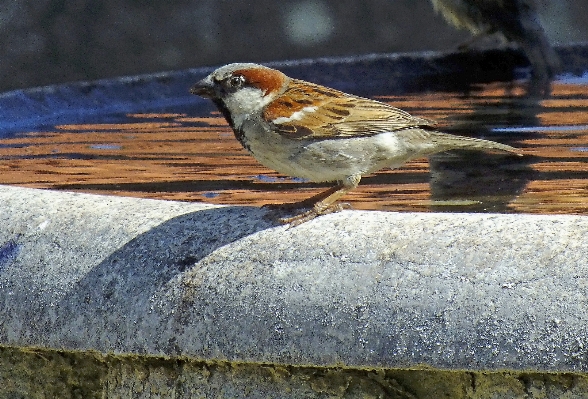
(354, 289)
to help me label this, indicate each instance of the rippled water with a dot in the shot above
(184, 156)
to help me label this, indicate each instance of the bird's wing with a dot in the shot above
(306, 111)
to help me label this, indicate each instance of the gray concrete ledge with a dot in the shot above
(363, 290)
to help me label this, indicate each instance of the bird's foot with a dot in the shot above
(317, 210)
(320, 204)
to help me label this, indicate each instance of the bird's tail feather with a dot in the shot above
(445, 142)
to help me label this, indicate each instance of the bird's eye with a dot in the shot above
(236, 81)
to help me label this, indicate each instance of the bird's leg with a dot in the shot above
(325, 203)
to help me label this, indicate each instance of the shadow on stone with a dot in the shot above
(126, 282)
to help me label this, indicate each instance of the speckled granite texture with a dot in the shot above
(360, 289)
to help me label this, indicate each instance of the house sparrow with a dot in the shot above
(304, 130)
(516, 20)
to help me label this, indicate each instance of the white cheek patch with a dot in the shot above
(295, 116)
(244, 102)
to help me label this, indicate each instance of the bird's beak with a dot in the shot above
(204, 88)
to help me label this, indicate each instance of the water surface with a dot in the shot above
(181, 155)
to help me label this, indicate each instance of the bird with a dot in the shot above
(517, 21)
(305, 130)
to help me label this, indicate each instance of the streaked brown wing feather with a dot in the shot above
(342, 115)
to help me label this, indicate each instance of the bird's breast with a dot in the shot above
(321, 160)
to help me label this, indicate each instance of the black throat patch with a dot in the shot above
(223, 110)
(239, 135)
